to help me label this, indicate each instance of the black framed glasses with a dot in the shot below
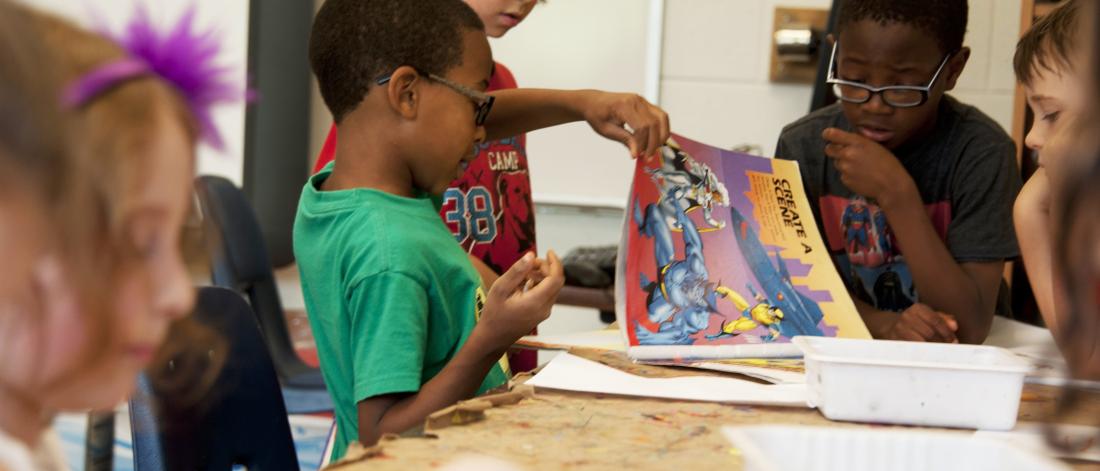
(897, 96)
(483, 102)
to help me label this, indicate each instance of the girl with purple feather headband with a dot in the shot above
(103, 305)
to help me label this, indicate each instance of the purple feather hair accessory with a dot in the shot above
(100, 79)
(181, 56)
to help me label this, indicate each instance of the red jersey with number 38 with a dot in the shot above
(489, 209)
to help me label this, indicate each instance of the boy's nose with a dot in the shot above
(876, 105)
(1034, 139)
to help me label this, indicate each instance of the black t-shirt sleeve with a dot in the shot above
(784, 151)
(803, 144)
(782, 148)
(983, 188)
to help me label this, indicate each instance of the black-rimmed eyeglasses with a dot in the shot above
(483, 102)
(898, 96)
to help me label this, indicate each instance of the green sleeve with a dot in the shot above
(389, 334)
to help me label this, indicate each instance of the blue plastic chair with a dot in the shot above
(181, 422)
(239, 261)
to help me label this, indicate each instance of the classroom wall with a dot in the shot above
(228, 18)
(572, 44)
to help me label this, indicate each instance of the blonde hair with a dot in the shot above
(36, 163)
(32, 128)
(117, 126)
(115, 131)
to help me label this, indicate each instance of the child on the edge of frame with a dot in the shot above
(912, 188)
(110, 145)
(1075, 206)
(1056, 61)
(402, 320)
(1051, 64)
(33, 152)
(489, 209)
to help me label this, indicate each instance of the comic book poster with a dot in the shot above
(721, 258)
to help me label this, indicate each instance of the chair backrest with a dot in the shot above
(235, 241)
(239, 260)
(238, 419)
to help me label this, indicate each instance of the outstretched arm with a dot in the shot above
(623, 117)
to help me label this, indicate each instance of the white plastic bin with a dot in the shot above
(795, 448)
(941, 385)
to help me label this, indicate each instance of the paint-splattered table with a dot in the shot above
(551, 430)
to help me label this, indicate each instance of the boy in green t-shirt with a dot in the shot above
(402, 323)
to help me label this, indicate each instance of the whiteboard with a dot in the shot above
(228, 18)
(576, 44)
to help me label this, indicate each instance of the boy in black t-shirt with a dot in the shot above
(913, 189)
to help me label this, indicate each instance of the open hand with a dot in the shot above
(522, 297)
(629, 119)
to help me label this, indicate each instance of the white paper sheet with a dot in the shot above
(572, 373)
(1008, 333)
(778, 447)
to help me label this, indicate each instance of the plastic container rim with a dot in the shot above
(1017, 365)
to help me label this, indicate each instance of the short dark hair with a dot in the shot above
(353, 42)
(1048, 44)
(943, 19)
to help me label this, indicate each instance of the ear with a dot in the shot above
(403, 92)
(955, 68)
(830, 39)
